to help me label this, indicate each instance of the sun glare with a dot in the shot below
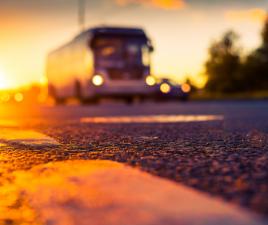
(3, 80)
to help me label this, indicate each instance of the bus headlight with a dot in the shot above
(186, 88)
(165, 88)
(97, 80)
(150, 81)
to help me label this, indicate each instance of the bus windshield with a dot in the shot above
(127, 51)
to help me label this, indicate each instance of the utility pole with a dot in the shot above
(81, 14)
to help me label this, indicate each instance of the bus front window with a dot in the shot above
(121, 51)
(108, 49)
(133, 54)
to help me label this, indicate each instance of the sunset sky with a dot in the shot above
(181, 31)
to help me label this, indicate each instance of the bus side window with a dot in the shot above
(145, 55)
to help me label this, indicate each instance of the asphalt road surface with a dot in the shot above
(220, 148)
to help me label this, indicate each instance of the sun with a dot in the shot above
(4, 84)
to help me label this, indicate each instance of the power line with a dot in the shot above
(81, 14)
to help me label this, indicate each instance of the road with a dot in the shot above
(219, 148)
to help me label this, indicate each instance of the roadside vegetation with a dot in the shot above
(231, 74)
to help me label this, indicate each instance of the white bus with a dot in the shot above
(102, 62)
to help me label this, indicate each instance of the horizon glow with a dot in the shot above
(181, 32)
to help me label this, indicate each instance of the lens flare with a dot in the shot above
(18, 97)
(5, 97)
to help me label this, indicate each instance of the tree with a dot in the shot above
(255, 68)
(223, 64)
(265, 33)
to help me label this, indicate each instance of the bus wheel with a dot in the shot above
(185, 98)
(129, 100)
(95, 101)
(141, 99)
(77, 90)
(91, 101)
(60, 101)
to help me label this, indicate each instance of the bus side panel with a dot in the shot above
(58, 72)
(83, 66)
(69, 68)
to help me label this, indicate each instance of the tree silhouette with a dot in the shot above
(228, 73)
(255, 68)
(222, 66)
(265, 34)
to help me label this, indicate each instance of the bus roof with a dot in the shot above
(117, 30)
(114, 31)
(106, 30)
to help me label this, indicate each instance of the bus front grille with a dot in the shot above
(131, 74)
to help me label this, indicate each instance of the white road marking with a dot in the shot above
(105, 192)
(26, 137)
(8, 123)
(152, 119)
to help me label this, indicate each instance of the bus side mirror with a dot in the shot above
(151, 48)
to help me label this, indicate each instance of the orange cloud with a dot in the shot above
(163, 4)
(253, 15)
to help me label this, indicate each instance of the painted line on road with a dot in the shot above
(152, 119)
(27, 138)
(8, 124)
(105, 192)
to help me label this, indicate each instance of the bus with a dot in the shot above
(102, 62)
